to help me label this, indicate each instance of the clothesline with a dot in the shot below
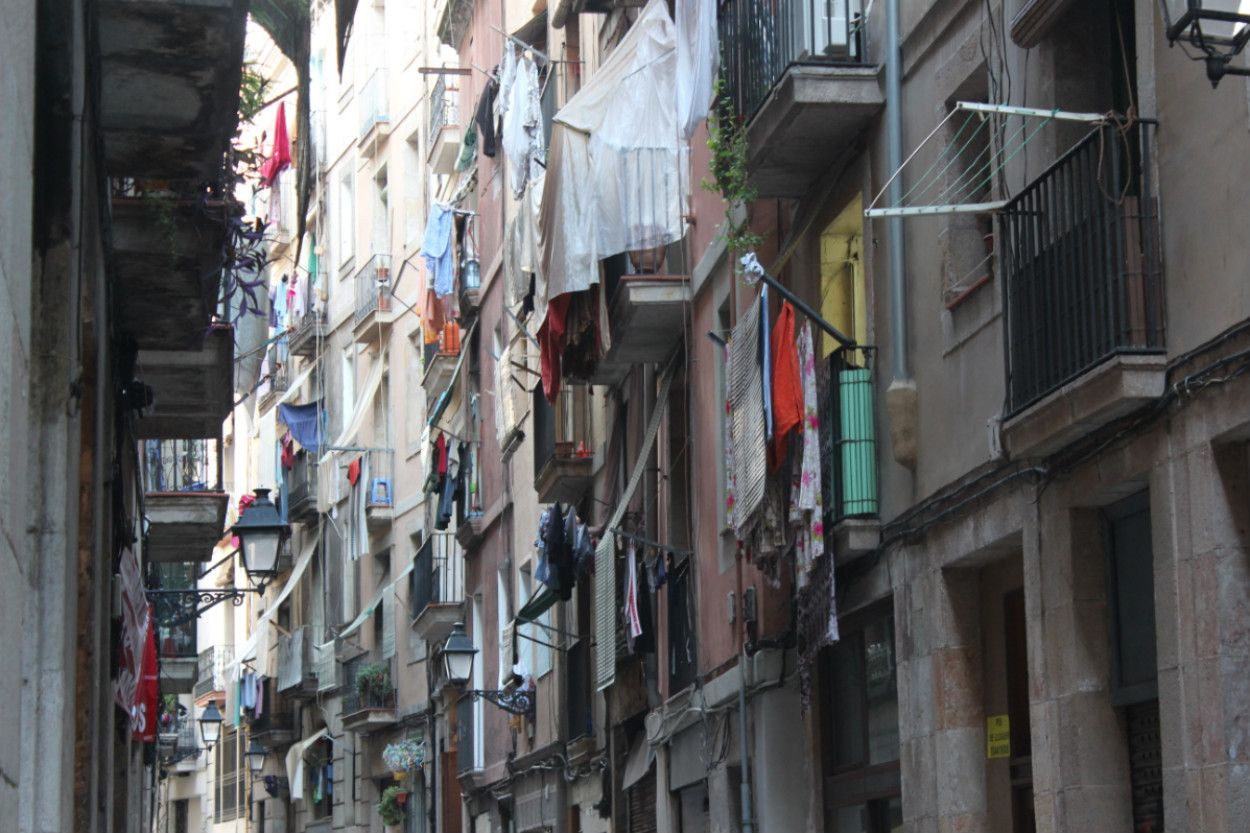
(647, 542)
(535, 52)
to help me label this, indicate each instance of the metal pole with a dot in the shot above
(894, 157)
(744, 786)
(801, 305)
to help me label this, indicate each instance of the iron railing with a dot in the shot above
(360, 697)
(1081, 264)
(177, 641)
(374, 109)
(437, 573)
(562, 431)
(181, 466)
(373, 287)
(762, 39)
(212, 669)
(443, 109)
(301, 486)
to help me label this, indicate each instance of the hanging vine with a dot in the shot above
(727, 140)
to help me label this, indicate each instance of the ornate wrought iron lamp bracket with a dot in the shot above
(513, 702)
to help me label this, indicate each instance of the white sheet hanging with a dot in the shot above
(698, 58)
(617, 164)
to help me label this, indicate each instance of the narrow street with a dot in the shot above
(625, 416)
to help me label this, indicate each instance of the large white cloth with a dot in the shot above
(698, 58)
(523, 125)
(617, 165)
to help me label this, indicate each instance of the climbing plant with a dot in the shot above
(727, 140)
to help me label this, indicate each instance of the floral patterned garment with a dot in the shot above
(807, 510)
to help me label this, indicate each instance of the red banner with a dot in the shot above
(143, 709)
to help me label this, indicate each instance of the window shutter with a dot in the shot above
(388, 623)
(507, 644)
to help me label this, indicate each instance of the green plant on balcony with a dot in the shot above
(374, 680)
(390, 808)
(404, 755)
(727, 140)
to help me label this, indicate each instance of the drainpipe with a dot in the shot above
(901, 402)
(744, 786)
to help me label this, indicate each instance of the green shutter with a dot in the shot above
(858, 443)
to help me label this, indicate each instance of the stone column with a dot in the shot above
(1080, 756)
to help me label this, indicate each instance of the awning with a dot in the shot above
(638, 762)
(248, 650)
(298, 382)
(538, 604)
(344, 14)
(372, 606)
(295, 764)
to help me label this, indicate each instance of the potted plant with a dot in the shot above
(373, 681)
(391, 808)
(403, 755)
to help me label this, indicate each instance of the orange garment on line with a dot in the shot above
(787, 386)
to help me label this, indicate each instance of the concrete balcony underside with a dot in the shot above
(647, 317)
(369, 719)
(435, 621)
(169, 259)
(178, 674)
(564, 479)
(808, 120)
(169, 94)
(445, 149)
(191, 389)
(184, 526)
(438, 374)
(1117, 386)
(305, 339)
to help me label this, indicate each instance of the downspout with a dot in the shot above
(744, 785)
(901, 402)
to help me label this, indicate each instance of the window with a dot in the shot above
(858, 695)
(1130, 592)
(843, 297)
(968, 239)
(228, 792)
(319, 784)
(348, 386)
(536, 657)
(346, 218)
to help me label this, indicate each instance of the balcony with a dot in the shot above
(563, 446)
(192, 389)
(369, 701)
(301, 488)
(278, 359)
(1084, 292)
(444, 135)
(179, 658)
(178, 741)
(647, 316)
(380, 497)
(210, 678)
(796, 75)
(168, 268)
(375, 118)
(849, 439)
(309, 334)
(436, 589)
(296, 675)
(276, 726)
(374, 304)
(183, 499)
(169, 82)
(441, 362)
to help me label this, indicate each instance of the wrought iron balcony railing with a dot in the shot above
(181, 466)
(1081, 264)
(443, 109)
(762, 39)
(373, 287)
(438, 574)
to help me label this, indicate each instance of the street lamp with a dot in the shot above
(256, 756)
(458, 653)
(261, 532)
(1218, 29)
(210, 725)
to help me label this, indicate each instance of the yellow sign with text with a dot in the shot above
(998, 736)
